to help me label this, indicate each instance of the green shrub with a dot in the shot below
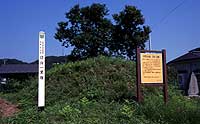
(14, 85)
(172, 76)
(98, 78)
(100, 91)
(179, 109)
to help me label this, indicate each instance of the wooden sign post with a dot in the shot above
(151, 71)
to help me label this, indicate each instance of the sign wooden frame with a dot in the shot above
(139, 85)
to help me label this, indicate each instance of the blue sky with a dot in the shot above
(21, 20)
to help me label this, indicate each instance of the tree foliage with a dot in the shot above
(129, 32)
(91, 33)
(86, 29)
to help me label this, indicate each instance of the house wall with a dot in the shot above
(185, 68)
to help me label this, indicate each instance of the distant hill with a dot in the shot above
(11, 61)
(51, 60)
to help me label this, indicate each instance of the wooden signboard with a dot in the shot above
(151, 68)
(151, 71)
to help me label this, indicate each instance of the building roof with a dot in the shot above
(191, 55)
(18, 68)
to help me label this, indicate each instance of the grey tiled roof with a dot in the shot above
(18, 68)
(191, 55)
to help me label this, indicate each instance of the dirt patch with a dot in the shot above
(7, 109)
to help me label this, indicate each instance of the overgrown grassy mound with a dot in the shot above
(99, 91)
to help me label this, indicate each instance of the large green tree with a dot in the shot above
(129, 32)
(90, 33)
(87, 30)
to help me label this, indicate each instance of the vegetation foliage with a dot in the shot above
(91, 33)
(99, 91)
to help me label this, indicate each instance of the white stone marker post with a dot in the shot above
(41, 71)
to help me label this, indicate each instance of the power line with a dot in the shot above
(170, 12)
(163, 19)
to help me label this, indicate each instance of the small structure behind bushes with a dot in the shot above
(185, 65)
(14, 76)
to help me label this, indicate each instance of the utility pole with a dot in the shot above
(4, 61)
(63, 51)
(149, 41)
